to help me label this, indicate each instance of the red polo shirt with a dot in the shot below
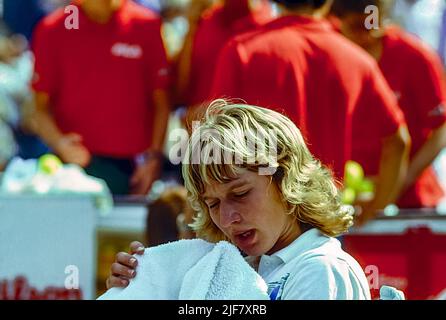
(215, 28)
(415, 74)
(302, 67)
(101, 78)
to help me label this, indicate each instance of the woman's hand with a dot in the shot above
(124, 267)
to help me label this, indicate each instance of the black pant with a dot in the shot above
(115, 172)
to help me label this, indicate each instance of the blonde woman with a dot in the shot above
(255, 184)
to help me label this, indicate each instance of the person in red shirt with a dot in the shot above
(99, 89)
(209, 31)
(300, 65)
(415, 74)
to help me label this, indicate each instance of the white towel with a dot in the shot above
(391, 293)
(192, 270)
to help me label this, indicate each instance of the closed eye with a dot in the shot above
(241, 194)
(213, 205)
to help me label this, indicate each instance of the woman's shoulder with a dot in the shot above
(327, 272)
(328, 255)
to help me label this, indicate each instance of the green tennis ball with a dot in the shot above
(354, 175)
(366, 186)
(49, 164)
(348, 196)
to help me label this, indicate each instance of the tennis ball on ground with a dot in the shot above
(49, 164)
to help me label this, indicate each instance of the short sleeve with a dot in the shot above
(315, 280)
(323, 278)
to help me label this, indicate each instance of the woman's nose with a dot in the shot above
(228, 214)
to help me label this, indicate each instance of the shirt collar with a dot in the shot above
(304, 22)
(310, 239)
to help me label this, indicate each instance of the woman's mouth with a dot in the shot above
(245, 239)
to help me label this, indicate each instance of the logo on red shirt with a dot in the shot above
(125, 50)
(438, 111)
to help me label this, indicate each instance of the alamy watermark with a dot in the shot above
(208, 146)
(372, 20)
(72, 20)
(72, 278)
(372, 274)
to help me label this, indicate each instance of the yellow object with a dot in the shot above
(348, 196)
(49, 164)
(354, 175)
(356, 185)
(366, 186)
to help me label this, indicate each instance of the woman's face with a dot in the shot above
(251, 213)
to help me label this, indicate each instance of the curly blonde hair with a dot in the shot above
(304, 183)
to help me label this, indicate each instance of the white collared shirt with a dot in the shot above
(313, 267)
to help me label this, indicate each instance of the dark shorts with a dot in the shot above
(117, 172)
(114, 171)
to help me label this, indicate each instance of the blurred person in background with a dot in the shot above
(415, 74)
(211, 25)
(100, 91)
(300, 65)
(8, 110)
(15, 97)
(8, 146)
(169, 217)
(21, 17)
